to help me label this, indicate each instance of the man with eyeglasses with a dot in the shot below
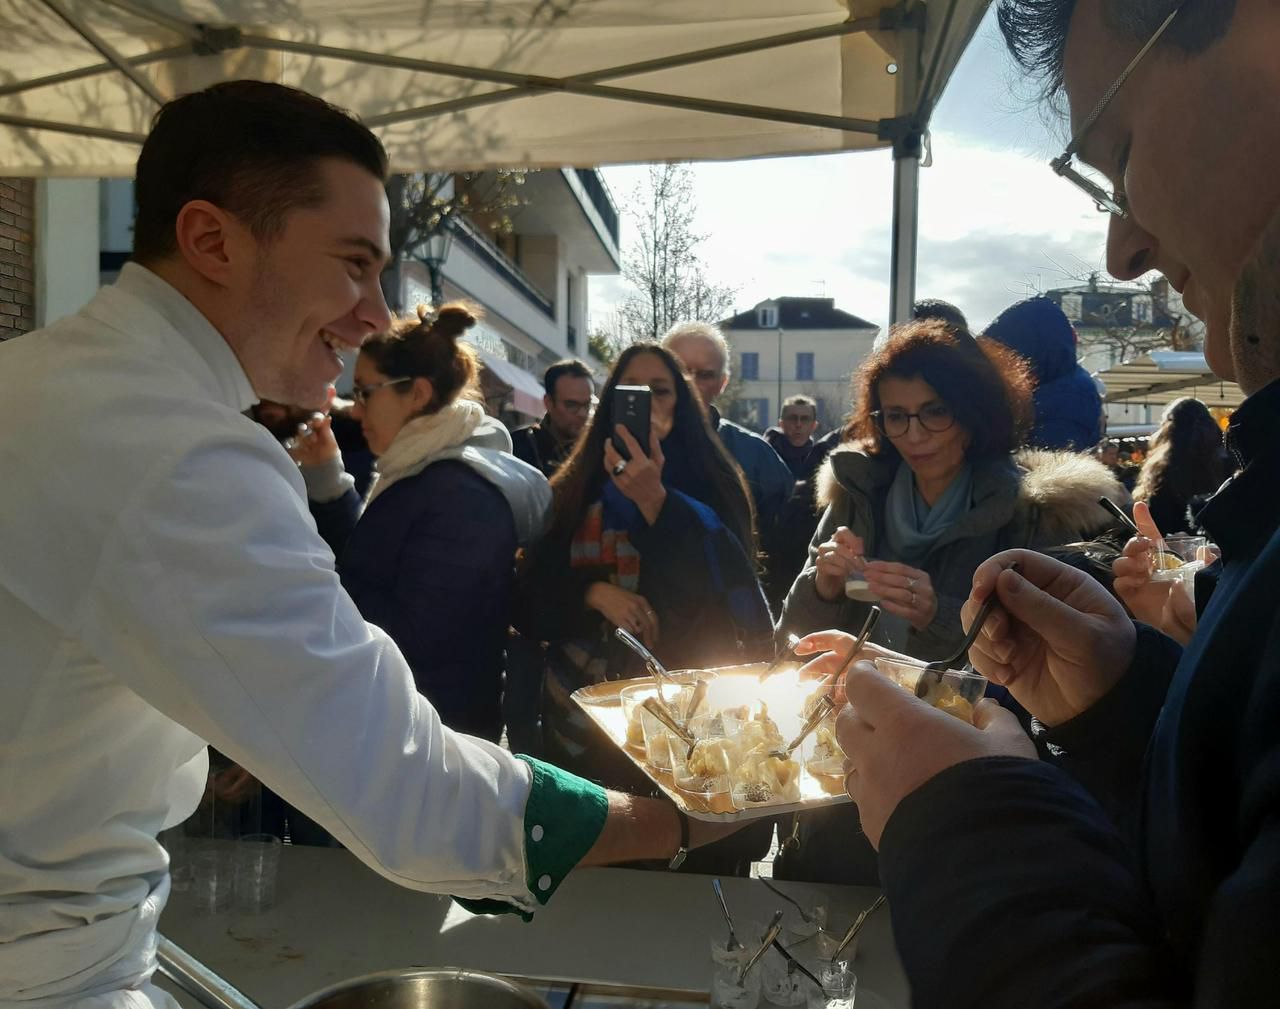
(547, 444)
(1130, 856)
(703, 351)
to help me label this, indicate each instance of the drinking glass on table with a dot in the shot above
(727, 992)
(839, 988)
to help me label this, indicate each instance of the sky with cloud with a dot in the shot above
(996, 225)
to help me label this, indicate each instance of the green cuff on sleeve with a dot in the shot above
(562, 819)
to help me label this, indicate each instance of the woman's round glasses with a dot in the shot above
(935, 417)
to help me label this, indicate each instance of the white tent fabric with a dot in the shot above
(1162, 376)
(525, 391)
(463, 84)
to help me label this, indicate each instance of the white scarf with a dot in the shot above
(421, 439)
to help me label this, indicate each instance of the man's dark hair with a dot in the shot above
(569, 366)
(942, 311)
(249, 147)
(1036, 30)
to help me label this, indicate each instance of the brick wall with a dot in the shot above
(17, 249)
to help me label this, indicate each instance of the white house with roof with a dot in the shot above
(791, 346)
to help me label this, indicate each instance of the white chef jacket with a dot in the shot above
(162, 586)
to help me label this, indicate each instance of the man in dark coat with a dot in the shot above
(1137, 862)
(547, 444)
(1068, 407)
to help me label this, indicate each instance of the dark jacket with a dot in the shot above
(1068, 406)
(767, 475)
(1044, 499)
(432, 562)
(1185, 909)
(538, 447)
(789, 543)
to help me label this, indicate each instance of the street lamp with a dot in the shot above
(434, 251)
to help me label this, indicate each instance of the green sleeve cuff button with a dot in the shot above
(562, 819)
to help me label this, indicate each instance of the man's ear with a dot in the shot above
(209, 240)
(546, 403)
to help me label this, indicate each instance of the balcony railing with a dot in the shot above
(498, 261)
(594, 184)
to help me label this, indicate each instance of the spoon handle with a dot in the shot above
(868, 626)
(775, 926)
(650, 660)
(804, 915)
(728, 918)
(1118, 512)
(856, 927)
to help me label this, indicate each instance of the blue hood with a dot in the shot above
(1039, 331)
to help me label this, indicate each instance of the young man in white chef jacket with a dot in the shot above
(162, 585)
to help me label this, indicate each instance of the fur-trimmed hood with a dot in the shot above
(1060, 488)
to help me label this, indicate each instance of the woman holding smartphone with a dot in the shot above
(656, 538)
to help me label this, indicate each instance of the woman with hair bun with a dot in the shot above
(430, 555)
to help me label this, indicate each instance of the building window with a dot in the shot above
(750, 367)
(804, 366)
(751, 413)
(767, 316)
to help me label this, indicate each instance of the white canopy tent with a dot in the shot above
(1162, 376)
(467, 84)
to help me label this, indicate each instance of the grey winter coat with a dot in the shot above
(1036, 500)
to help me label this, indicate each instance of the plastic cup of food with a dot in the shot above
(956, 693)
(822, 754)
(705, 771)
(659, 741)
(1177, 557)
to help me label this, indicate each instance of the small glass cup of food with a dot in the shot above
(955, 692)
(704, 771)
(823, 757)
(1178, 557)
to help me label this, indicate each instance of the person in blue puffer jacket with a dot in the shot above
(430, 556)
(1068, 409)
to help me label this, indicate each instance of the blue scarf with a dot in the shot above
(912, 528)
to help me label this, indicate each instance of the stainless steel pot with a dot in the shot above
(447, 988)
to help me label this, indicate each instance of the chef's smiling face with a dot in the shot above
(1192, 141)
(312, 290)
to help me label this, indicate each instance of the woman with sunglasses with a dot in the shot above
(431, 556)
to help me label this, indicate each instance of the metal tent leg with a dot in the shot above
(906, 221)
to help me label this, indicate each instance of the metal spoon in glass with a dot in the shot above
(804, 915)
(733, 943)
(931, 675)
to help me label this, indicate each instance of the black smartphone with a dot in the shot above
(631, 410)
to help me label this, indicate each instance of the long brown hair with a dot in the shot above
(580, 481)
(1186, 457)
(429, 348)
(987, 386)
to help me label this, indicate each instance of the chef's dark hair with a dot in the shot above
(428, 347)
(249, 147)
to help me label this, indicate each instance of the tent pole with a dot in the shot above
(105, 50)
(26, 123)
(906, 211)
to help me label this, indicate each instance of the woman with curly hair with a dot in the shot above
(1186, 460)
(924, 489)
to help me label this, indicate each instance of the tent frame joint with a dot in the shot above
(905, 16)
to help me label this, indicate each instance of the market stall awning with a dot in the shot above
(526, 391)
(498, 83)
(1162, 376)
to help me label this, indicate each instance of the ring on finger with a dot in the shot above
(911, 583)
(913, 599)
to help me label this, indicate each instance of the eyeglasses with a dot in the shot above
(1113, 203)
(361, 393)
(798, 418)
(706, 375)
(935, 417)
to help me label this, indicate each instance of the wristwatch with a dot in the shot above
(683, 851)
